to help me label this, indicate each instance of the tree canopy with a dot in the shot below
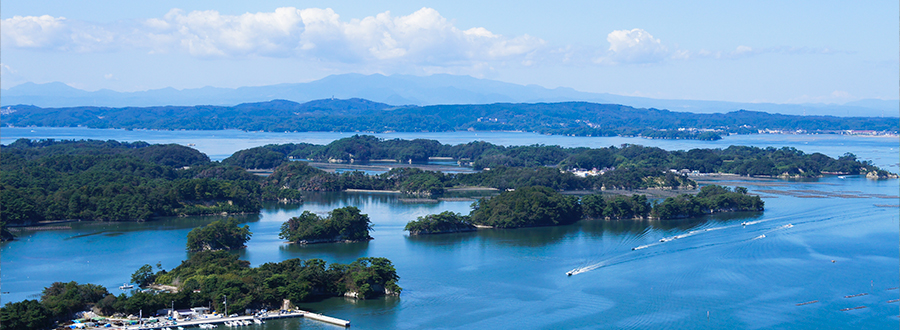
(342, 224)
(355, 115)
(218, 235)
(444, 222)
(526, 207)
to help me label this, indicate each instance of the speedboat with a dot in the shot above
(570, 273)
(126, 286)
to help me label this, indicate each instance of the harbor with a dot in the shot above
(212, 321)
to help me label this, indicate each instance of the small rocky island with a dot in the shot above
(218, 235)
(441, 223)
(344, 224)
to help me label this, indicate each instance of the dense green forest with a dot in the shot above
(342, 224)
(444, 222)
(357, 115)
(542, 206)
(109, 180)
(118, 181)
(205, 277)
(741, 160)
(710, 199)
(218, 235)
(595, 206)
(526, 207)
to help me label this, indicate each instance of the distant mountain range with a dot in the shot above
(408, 90)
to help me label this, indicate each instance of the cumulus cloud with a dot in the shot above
(34, 31)
(423, 37)
(633, 46)
(422, 41)
(56, 33)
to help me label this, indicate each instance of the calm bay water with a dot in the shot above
(748, 276)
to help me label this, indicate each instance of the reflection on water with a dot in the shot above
(345, 250)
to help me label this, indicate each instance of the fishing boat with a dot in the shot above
(126, 286)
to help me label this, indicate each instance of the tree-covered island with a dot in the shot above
(526, 207)
(344, 224)
(741, 160)
(121, 181)
(113, 181)
(218, 235)
(444, 222)
(204, 279)
(542, 206)
(360, 115)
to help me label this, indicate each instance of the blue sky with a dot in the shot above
(760, 51)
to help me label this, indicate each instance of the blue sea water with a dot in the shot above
(817, 240)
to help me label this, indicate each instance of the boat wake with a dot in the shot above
(785, 226)
(585, 269)
(672, 238)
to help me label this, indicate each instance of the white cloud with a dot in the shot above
(423, 37)
(57, 33)
(34, 31)
(423, 41)
(633, 46)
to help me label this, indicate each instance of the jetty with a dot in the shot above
(263, 317)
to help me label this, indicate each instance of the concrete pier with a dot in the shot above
(326, 319)
(264, 317)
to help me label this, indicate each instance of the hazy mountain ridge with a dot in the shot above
(407, 90)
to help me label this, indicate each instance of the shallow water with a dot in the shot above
(516, 278)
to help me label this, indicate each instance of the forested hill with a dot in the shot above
(353, 115)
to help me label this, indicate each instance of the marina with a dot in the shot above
(237, 321)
